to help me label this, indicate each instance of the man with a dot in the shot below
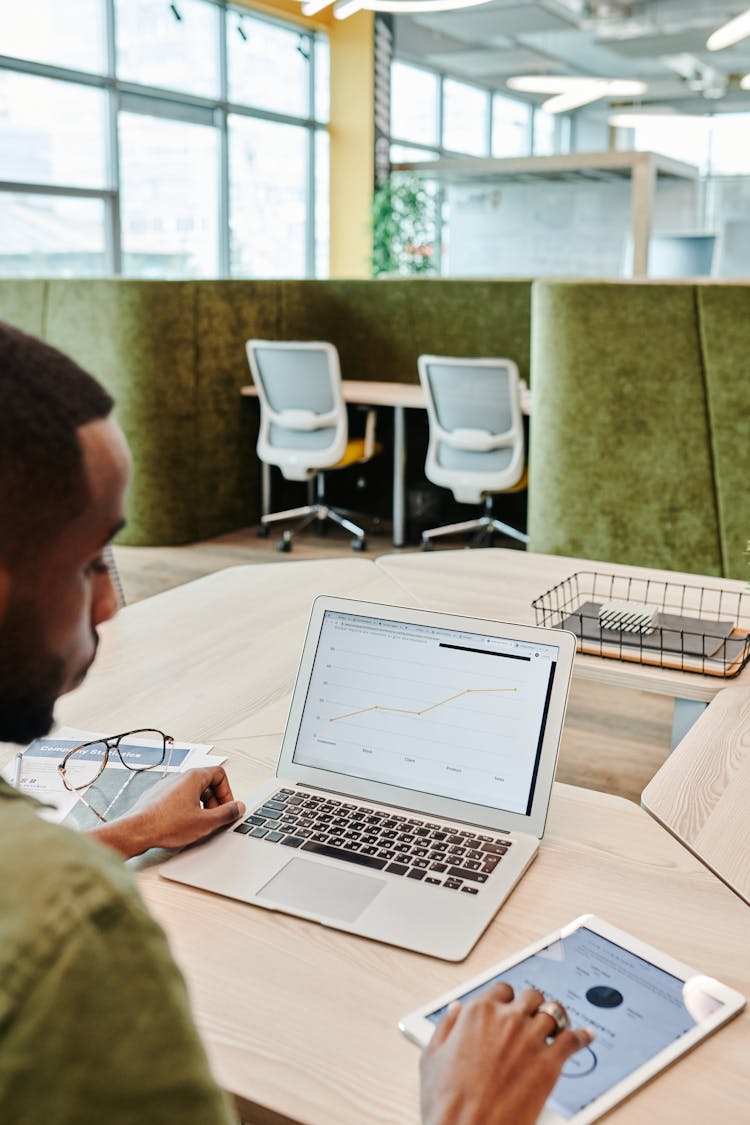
(94, 1019)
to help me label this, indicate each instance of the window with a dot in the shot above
(465, 118)
(682, 138)
(268, 66)
(46, 31)
(52, 132)
(171, 46)
(169, 173)
(161, 139)
(52, 236)
(544, 133)
(511, 127)
(415, 104)
(267, 180)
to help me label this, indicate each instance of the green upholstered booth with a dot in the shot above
(641, 423)
(724, 318)
(172, 354)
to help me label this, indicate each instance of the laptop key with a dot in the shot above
(269, 813)
(495, 849)
(423, 863)
(430, 879)
(397, 868)
(293, 842)
(471, 890)
(490, 862)
(244, 828)
(415, 873)
(438, 867)
(274, 837)
(255, 820)
(472, 876)
(342, 853)
(259, 832)
(452, 884)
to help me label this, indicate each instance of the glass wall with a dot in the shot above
(158, 139)
(433, 115)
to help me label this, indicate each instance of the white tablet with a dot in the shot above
(646, 1008)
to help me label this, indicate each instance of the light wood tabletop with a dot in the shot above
(702, 792)
(503, 583)
(299, 1020)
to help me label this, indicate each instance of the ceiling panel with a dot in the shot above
(491, 42)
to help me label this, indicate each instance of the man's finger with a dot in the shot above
(215, 779)
(568, 1042)
(528, 1002)
(446, 1025)
(222, 814)
(500, 993)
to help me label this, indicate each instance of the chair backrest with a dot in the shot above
(303, 423)
(702, 792)
(476, 441)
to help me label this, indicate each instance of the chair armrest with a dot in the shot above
(304, 419)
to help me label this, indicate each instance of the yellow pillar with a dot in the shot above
(352, 144)
(352, 130)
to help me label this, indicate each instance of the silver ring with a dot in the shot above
(555, 1009)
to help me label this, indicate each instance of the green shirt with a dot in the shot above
(95, 1024)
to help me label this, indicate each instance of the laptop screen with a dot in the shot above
(433, 710)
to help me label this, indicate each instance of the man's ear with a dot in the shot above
(4, 592)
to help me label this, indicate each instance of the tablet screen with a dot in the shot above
(635, 1008)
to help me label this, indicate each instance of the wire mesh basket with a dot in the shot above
(690, 628)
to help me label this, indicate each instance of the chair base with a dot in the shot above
(307, 515)
(484, 526)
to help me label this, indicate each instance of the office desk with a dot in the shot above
(502, 583)
(300, 1021)
(400, 397)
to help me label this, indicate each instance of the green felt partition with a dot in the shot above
(23, 303)
(621, 465)
(138, 338)
(725, 331)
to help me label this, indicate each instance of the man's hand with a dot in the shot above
(180, 810)
(490, 1063)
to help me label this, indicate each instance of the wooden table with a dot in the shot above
(300, 1021)
(503, 583)
(400, 397)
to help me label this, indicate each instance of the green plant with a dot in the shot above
(404, 227)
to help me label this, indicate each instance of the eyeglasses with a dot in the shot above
(85, 764)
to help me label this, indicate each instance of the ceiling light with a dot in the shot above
(574, 91)
(730, 33)
(745, 82)
(344, 8)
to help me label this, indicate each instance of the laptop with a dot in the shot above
(413, 781)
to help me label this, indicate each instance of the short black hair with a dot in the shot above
(44, 398)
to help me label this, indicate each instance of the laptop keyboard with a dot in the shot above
(456, 859)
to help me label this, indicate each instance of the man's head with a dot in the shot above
(64, 468)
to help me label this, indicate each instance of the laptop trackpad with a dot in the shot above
(319, 889)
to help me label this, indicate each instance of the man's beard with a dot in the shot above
(30, 678)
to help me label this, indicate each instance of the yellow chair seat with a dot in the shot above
(355, 451)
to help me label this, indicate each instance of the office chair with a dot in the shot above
(476, 446)
(304, 427)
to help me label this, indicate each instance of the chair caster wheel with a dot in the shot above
(262, 531)
(426, 545)
(284, 545)
(359, 544)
